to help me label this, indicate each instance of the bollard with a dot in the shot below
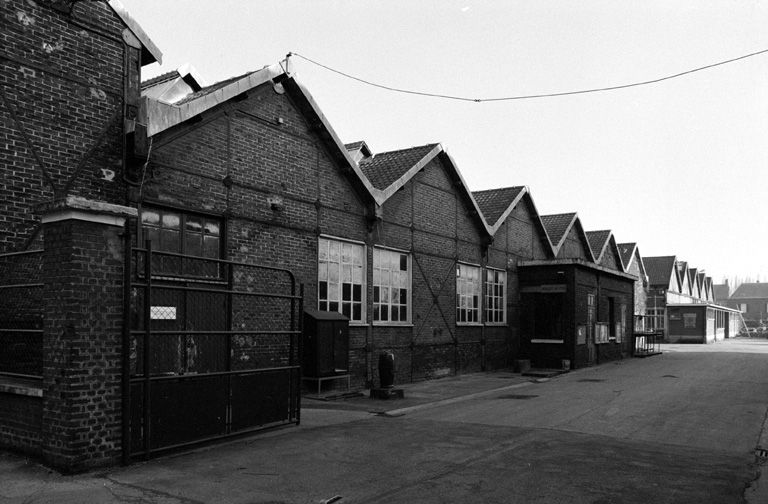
(386, 370)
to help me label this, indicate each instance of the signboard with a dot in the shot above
(546, 289)
(581, 334)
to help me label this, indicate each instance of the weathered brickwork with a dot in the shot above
(20, 418)
(61, 78)
(82, 269)
(67, 81)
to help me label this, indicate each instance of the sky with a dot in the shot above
(679, 166)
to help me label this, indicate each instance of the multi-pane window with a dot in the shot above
(468, 292)
(341, 278)
(182, 233)
(495, 296)
(391, 286)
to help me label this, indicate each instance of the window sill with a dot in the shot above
(391, 324)
(469, 324)
(21, 386)
(548, 341)
(496, 324)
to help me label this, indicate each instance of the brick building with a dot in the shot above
(70, 89)
(575, 307)
(681, 303)
(160, 240)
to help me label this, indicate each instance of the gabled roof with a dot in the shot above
(496, 204)
(693, 281)
(630, 252)
(598, 242)
(557, 227)
(751, 290)
(160, 116)
(702, 279)
(708, 287)
(627, 251)
(660, 270)
(149, 51)
(385, 168)
(721, 291)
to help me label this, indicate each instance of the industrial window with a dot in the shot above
(182, 233)
(468, 292)
(391, 286)
(495, 296)
(341, 279)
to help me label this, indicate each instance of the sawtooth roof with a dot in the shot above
(659, 269)
(598, 241)
(386, 168)
(557, 226)
(494, 202)
(627, 253)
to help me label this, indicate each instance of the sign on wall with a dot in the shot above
(581, 334)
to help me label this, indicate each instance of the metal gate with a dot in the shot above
(212, 349)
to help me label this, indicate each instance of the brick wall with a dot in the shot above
(81, 417)
(238, 159)
(20, 423)
(61, 77)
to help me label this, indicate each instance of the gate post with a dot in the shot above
(83, 266)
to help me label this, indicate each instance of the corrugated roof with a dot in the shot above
(494, 202)
(626, 250)
(385, 168)
(557, 225)
(751, 290)
(597, 241)
(659, 269)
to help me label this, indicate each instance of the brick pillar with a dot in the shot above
(83, 270)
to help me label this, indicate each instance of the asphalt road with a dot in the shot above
(681, 427)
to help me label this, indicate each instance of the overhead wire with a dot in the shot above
(529, 96)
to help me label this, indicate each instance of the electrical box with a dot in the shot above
(326, 344)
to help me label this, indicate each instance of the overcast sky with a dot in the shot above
(680, 167)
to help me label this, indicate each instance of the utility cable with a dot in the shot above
(530, 96)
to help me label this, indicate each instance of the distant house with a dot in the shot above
(751, 299)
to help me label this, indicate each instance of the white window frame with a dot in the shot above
(495, 304)
(743, 307)
(384, 273)
(469, 287)
(334, 289)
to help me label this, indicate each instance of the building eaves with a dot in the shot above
(150, 53)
